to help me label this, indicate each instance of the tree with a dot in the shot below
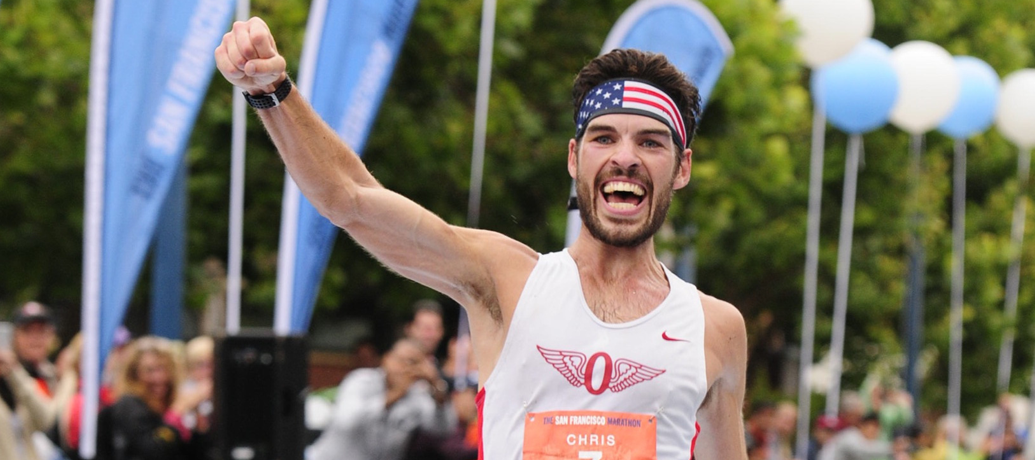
(746, 202)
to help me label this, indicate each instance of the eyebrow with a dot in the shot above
(643, 132)
(601, 128)
(659, 132)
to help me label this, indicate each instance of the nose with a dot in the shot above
(625, 155)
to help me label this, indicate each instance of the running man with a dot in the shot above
(597, 351)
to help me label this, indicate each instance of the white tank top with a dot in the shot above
(585, 388)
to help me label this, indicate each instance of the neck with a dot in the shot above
(619, 284)
(599, 260)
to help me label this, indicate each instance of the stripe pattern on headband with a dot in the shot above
(631, 96)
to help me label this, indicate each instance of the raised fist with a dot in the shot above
(248, 57)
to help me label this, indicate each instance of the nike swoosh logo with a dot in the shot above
(665, 336)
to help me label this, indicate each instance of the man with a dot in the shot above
(781, 437)
(949, 426)
(377, 410)
(822, 432)
(30, 395)
(426, 326)
(759, 422)
(860, 442)
(594, 352)
(34, 338)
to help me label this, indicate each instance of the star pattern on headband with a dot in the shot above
(598, 99)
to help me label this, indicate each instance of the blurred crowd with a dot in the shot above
(409, 403)
(155, 394)
(877, 423)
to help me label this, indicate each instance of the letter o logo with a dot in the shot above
(604, 382)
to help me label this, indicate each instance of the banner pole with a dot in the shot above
(90, 367)
(808, 316)
(844, 261)
(481, 110)
(959, 193)
(237, 157)
(1013, 275)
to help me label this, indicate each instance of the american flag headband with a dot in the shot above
(634, 97)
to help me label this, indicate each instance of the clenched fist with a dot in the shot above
(248, 57)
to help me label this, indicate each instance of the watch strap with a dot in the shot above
(270, 100)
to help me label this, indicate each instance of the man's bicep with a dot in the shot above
(421, 246)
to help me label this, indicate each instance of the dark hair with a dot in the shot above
(651, 67)
(871, 417)
(428, 305)
(762, 405)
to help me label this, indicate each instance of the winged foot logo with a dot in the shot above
(618, 375)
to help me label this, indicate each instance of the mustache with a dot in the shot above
(633, 173)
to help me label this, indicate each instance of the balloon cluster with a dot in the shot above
(861, 84)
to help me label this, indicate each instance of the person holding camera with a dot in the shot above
(376, 411)
(30, 393)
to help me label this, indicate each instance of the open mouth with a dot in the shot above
(623, 196)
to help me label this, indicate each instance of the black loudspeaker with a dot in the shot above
(260, 389)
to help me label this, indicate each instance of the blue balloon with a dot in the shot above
(979, 95)
(857, 91)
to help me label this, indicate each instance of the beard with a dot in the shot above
(615, 235)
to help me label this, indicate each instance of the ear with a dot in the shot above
(573, 158)
(683, 171)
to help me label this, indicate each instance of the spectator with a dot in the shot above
(906, 442)
(942, 447)
(823, 431)
(461, 372)
(894, 406)
(35, 336)
(365, 353)
(69, 424)
(1002, 442)
(781, 434)
(426, 325)
(146, 421)
(859, 442)
(29, 389)
(377, 410)
(759, 423)
(200, 354)
(458, 444)
(851, 410)
(757, 448)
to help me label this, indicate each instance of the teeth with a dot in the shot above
(622, 206)
(612, 187)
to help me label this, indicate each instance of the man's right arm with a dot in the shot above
(459, 262)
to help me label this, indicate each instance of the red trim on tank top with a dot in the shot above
(479, 401)
(693, 443)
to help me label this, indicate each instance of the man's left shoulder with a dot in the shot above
(720, 311)
(725, 331)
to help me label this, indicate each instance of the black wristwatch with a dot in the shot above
(266, 101)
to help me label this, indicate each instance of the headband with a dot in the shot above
(634, 97)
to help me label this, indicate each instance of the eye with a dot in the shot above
(652, 144)
(603, 139)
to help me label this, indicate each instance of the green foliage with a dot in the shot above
(746, 202)
(44, 58)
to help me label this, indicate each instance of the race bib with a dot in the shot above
(594, 435)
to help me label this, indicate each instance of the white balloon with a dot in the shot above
(929, 86)
(1015, 116)
(829, 28)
